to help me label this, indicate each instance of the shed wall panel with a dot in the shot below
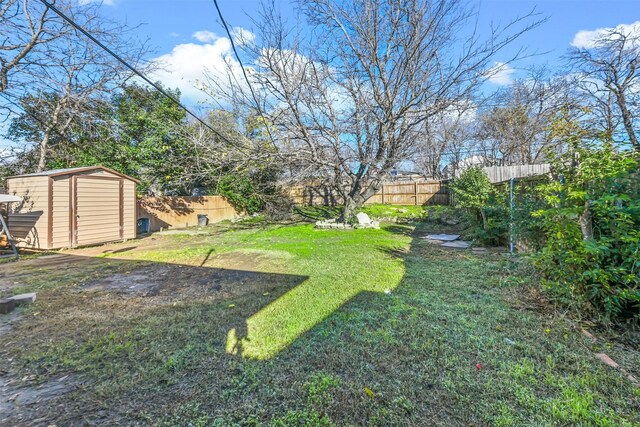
(97, 218)
(129, 210)
(61, 212)
(29, 221)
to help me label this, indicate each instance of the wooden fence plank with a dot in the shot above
(392, 193)
(498, 174)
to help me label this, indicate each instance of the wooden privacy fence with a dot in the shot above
(499, 174)
(396, 193)
(181, 212)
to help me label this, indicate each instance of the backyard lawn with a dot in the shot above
(285, 325)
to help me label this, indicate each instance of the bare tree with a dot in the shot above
(518, 128)
(71, 75)
(346, 97)
(609, 73)
(27, 27)
(444, 138)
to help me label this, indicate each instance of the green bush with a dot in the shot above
(241, 193)
(598, 274)
(487, 208)
(254, 190)
(472, 190)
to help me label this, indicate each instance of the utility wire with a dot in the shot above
(244, 72)
(130, 67)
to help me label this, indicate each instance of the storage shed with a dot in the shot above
(65, 208)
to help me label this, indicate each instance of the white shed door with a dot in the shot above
(98, 211)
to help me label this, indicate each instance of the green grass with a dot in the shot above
(395, 211)
(323, 344)
(373, 210)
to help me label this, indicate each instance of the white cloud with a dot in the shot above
(190, 63)
(174, 34)
(588, 38)
(205, 36)
(500, 74)
(242, 36)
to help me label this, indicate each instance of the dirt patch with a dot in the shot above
(84, 294)
(20, 402)
(7, 321)
(247, 260)
(171, 282)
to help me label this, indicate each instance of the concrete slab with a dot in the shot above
(24, 298)
(443, 237)
(458, 244)
(435, 242)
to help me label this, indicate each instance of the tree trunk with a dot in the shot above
(352, 203)
(626, 120)
(586, 222)
(348, 209)
(42, 161)
(484, 219)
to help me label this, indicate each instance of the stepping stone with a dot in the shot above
(443, 237)
(435, 242)
(24, 298)
(458, 244)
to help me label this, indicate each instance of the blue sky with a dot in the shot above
(187, 36)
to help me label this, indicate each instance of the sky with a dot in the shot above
(187, 37)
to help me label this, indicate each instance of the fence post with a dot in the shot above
(415, 185)
(511, 207)
(383, 193)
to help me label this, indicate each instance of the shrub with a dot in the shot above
(591, 258)
(487, 207)
(472, 190)
(253, 190)
(241, 193)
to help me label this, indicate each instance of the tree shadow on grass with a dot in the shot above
(160, 336)
(118, 324)
(443, 348)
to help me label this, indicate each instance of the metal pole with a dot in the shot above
(511, 237)
(4, 229)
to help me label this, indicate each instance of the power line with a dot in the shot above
(244, 73)
(130, 67)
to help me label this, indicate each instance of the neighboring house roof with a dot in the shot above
(471, 161)
(71, 171)
(475, 160)
(405, 172)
